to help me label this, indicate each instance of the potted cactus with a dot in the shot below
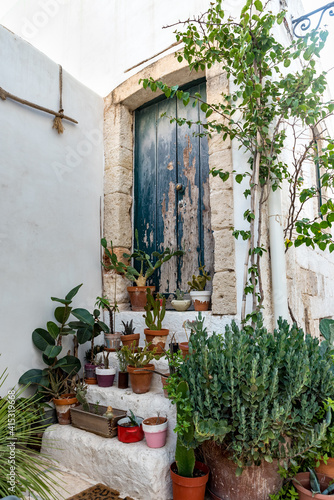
(105, 375)
(129, 336)
(200, 297)
(155, 313)
(147, 268)
(189, 477)
(311, 485)
(129, 429)
(180, 303)
(139, 367)
(123, 376)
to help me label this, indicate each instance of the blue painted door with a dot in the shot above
(171, 189)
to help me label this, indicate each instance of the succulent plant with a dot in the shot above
(81, 394)
(198, 283)
(128, 329)
(179, 294)
(142, 357)
(155, 311)
(184, 453)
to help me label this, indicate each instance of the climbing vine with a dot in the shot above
(268, 103)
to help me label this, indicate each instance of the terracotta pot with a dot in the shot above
(189, 488)
(130, 434)
(140, 378)
(137, 296)
(91, 381)
(123, 380)
(201, 300)
(112, 340)
(184, 347)
(130, 339)
(157, 337)
(155, 430)
(255, 483)
(105, 376)
(63, 406)
(327, 469)
(164, 379)
(302, 484)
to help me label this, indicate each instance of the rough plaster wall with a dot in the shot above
(51, 186)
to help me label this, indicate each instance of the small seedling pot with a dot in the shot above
(63, 405)
(123, 380)
(201, 300)
(141, 378)
(130, 434)
(105, 376)
(155, 433)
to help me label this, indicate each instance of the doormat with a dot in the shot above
(99, 492)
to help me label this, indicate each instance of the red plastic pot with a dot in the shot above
(189, 488)
(130, 434)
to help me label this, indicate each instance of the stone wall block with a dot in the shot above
(115, 288)
(118, 180)
(117, 219)
(224, 250)
(119, 157)
(224, 296)
(222, 215)
(118, 122)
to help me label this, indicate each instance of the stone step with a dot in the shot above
(134, 470)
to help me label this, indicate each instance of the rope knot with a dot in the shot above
(2, 94)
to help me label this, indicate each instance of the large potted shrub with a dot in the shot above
(147, 267)
(155, 312)
(255, 397)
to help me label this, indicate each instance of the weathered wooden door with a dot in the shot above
(171, 189)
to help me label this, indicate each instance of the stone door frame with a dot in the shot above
(119, 109)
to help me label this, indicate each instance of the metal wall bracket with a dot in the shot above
(306, 23)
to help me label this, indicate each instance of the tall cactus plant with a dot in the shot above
(184, 453)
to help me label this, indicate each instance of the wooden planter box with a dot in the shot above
(96, 423)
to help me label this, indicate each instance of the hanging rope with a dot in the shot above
(58, 125)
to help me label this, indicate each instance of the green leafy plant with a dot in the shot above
(198, 283)
(148, 264)
(49, 342)
(254, 391)
(96, 407)
(81, 394)
(128, 328)
(276, 95)
(121, 360)
(103, 303)
(155, 311)
(142, 357)
(22, 468)
(91, 357)
(133, 419)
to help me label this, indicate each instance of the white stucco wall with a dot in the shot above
(51, 186)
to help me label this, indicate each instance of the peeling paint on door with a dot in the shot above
(171, 190)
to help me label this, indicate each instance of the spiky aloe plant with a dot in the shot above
(22, 468)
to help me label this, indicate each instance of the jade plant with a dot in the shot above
(252, 391)
(142, 357)
(155, 311)
(198, 283)
(148, 265)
